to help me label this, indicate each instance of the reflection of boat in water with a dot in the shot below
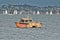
(11, 14)
(28, 23)
(47, 13)
(51, 12)
(38, 12)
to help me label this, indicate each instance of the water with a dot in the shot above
(49, 31)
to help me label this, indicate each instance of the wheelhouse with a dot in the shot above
(26, 20)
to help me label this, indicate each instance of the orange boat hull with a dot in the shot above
(19, 25)
(28, 25)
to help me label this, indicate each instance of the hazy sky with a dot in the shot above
(32, 2)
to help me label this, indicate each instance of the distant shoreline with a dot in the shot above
(18, 9)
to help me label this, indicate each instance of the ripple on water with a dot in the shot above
(49, 31)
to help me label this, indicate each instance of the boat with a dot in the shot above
(28, 23)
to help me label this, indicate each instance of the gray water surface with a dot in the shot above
(49, 31)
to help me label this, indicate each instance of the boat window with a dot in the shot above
(30, 20)
(26, 20)
(22, 20)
